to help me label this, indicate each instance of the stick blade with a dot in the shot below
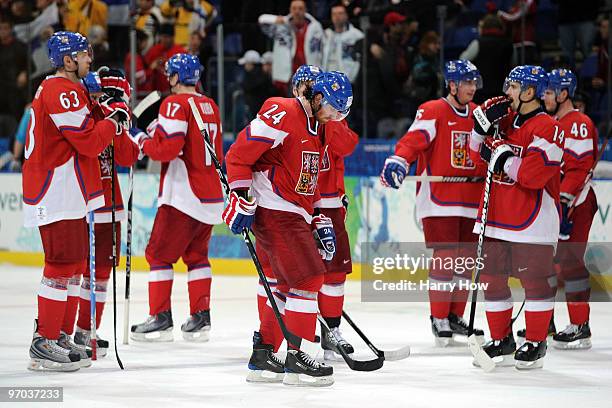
(395, 355)
(146, 103)
(359, 365)
(482, 358)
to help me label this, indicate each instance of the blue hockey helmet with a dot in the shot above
(528, 76)
(461, 70)
(560, 79)
(305, 73)
(187, 67)
(92, 82)
(65, 43)
(336, 90)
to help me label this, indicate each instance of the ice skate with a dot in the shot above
(83, 338)
(197, 327)
(157, 328)
(264, 366)
(330, 341)
(84, 353)
(48, 355)
(304, 371)
(442, 331)
(460, 327)
(500, 351)
(530, 355)
(573, 337)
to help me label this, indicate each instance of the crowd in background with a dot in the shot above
(393, 48)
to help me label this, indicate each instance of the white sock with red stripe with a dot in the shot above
(537, 318)
(199, 278)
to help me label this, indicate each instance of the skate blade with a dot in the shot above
(500, 361)
(85, 362)
(481, 358)
(153, 337)
(331, 355)
(37, 364)
(529, 365)
(303, 380)
(200, 336)
(264, 376)
(443, 341)
(582, 344)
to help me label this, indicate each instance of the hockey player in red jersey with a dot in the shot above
(278, 156)
(110, 83)
(190, 202)
(523, 222)
(580, 151)
(439, 139)
(61, 183)
(342, 142)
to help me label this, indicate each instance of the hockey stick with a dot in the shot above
(291, 338)
(392, 355)
(92, 288)
(114, 256)
(445, 179)
(146, 103)
(483, 359)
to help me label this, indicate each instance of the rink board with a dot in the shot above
(376, 214)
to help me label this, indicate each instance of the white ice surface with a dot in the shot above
(213, 374)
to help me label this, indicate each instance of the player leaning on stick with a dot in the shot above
(278, 157)
(342, 142)
(101, 87)
(190, 202)
(439, 139)
(580, 152)
(61, 183)
(523, 222)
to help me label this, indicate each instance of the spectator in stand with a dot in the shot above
(188, 16)
(389, 68)
(492, 54)
(158, 54)
(257, 86)
(81, 15)
(576, 25)
(148, 18)
(144, 82)
(425, 76)
(267, 58)
(13, 78)
(118, 28)
(46, 14)
(202, 50)
(100, 47)
(600, 80)
(512, 18)
(40, 58)
(342, 45)
(298, 39)
(354, 8)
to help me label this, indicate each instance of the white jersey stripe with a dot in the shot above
(70, 119)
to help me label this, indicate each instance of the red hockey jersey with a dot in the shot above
(526, 210)
(341, 143)
(439, 138)
(126, 154)
(579, 153)
(61, 174)
(278, 156)
(189, 181)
